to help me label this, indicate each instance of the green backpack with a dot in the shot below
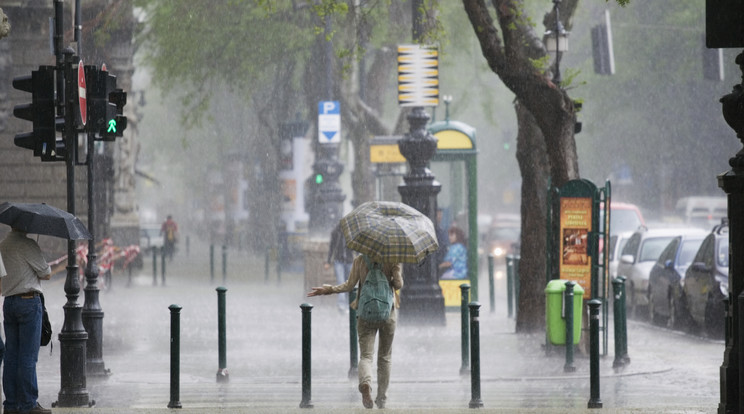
(376, 297)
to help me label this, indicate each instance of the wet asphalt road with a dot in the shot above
(670, 372)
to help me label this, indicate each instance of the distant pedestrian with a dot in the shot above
(341, 257)
(169, 231)
(22, 309)
(455, 263)
(367, 331)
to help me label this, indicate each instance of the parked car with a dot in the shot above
(625, 217)
(706, 282)
(702, 211)
(638, 257)
(150, 238)
(667, 275)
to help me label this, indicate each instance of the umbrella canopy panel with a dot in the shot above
(41, 218)
(389, 232)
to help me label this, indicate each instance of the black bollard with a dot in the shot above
(353, 343)
(515, 275)
(475, 384)
(621, 323)
(568, 299)
(618, 305)
(211, 263)
(222, 375)
(175, 350)
(510, 285)
(465, 328)
(491, 288)
(154, 266)
(594, 400)
(224, 263)
(306, 353)
(162, 267)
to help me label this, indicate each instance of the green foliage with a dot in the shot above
(656, 115)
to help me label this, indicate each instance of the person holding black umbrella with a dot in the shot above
(22, 310)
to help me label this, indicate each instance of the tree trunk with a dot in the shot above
(545, 142)
(532, 158)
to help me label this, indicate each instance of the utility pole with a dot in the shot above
(326, 197)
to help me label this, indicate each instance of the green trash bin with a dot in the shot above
(555, 322)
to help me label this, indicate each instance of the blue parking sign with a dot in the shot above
(329, 122)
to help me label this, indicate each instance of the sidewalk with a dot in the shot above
(669, 372)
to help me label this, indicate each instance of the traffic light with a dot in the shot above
(318, 178)
(42, 140)
(117, 125)
(105, 104)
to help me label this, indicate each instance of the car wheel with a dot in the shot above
(652, 316)
(714, 317)
(676, 320)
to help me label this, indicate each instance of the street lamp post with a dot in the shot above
(92, 314)
(732, 182)
(421, 297)
(72, 338)
(556, 41)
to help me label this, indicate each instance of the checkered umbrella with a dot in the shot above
(389, 232)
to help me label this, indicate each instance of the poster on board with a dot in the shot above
(575, 227)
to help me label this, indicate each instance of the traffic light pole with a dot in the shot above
(72, 338)
(92, 314)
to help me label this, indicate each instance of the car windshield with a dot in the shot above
(504, 233)
(687, 252)
(652, 248)
(723, 254)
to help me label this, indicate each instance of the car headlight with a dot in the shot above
(498, 252)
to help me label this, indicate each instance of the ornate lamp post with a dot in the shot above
(556, 42)
(732, 182)
(421, 297)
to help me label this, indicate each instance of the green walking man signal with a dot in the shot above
(111, 126)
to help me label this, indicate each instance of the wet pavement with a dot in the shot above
(670, 372)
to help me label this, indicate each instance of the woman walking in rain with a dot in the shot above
(367, 331)
(386, 234)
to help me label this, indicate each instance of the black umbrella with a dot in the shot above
(40, 218)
